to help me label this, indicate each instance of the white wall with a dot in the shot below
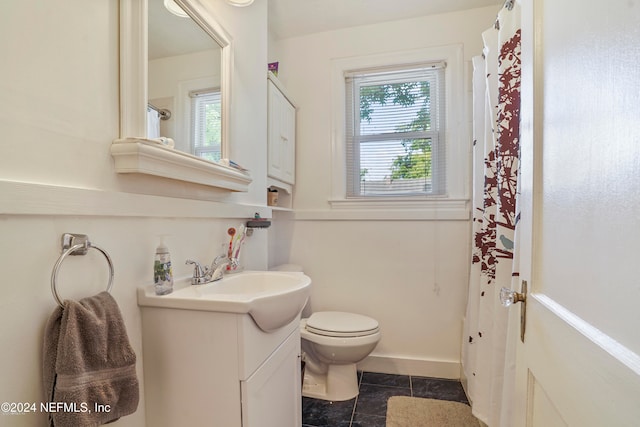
(409, 275)
(59, 114)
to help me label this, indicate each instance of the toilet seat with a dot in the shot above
(340, 324)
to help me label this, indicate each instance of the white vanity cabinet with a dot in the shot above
(282, 133)
(205, 368)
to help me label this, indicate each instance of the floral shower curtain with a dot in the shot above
(487, 361)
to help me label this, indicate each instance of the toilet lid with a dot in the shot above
(340, 324)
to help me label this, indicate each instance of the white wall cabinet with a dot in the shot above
(282, 133)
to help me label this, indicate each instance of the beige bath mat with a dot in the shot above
(418, 412)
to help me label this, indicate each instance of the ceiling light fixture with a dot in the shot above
(173, 7)
(240, 3)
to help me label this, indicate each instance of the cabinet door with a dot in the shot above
(288, 141)
(271, 396)
(282, 134)
(274, 140)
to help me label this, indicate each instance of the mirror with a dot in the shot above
(184, 81)
(133, 152)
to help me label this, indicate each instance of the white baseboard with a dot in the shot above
(406, 366)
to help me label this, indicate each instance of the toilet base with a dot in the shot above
(338, 384)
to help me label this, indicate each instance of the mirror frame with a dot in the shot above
(134, 153)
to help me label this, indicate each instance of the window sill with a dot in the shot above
(140, 156)
(384, 209)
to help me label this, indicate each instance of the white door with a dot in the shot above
(579, 363)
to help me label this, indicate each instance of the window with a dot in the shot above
(395, 130)
(207, 124)
(442, 191)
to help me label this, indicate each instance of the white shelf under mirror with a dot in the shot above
(142, 156)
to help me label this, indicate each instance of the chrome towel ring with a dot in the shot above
(76, 244)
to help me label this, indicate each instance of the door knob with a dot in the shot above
(509, 297)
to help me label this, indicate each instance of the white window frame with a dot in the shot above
(453, 204)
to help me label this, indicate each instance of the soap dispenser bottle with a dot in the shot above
(162, 273)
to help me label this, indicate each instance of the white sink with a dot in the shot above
(272, 298)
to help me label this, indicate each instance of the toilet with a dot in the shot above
(333, 342)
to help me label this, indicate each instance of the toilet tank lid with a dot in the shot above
(337, 321)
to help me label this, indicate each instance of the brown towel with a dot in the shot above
(89, 370)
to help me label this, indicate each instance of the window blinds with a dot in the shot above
(395, 131)
(206, 117)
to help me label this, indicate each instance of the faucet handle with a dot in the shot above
(217, 259)
(199, 273)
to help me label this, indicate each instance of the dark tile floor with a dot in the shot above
(369, 409)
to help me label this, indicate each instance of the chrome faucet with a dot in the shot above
(202, 275)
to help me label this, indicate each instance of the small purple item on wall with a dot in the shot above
(273, 67)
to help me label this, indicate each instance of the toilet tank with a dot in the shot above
(287, 267)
